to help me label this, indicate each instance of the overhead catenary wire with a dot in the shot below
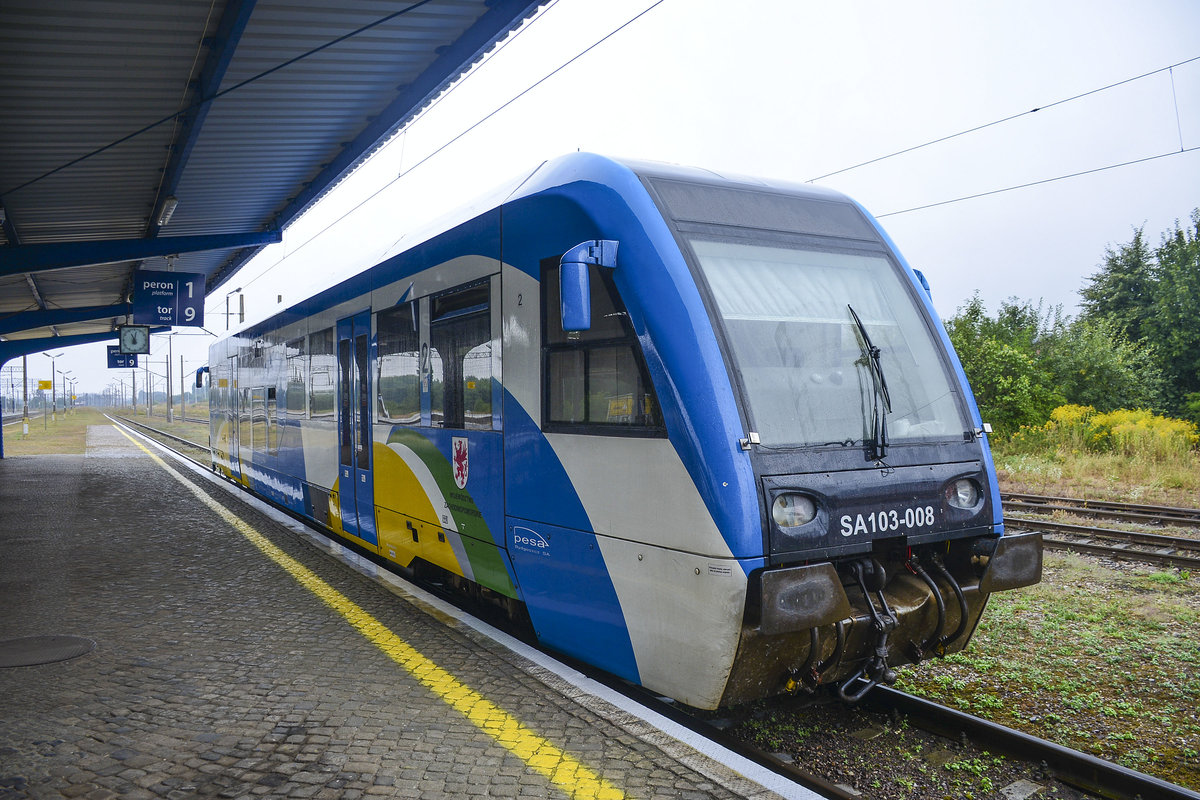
(1038, 183)
(1169, 68)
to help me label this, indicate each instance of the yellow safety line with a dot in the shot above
(568, 774)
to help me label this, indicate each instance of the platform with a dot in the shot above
(233, 658)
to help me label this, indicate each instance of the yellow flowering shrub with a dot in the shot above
(1131, 433)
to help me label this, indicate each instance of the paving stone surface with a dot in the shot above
(216, 674)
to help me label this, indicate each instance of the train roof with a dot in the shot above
(578, 166)
(589, 166)
(625, 176)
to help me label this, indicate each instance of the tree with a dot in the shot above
(1093, 364)
(997, 355)
(1123, 290)
(1153, 297)
(1174, 324)
(1028, 360)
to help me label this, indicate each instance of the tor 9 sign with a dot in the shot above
(168, 298)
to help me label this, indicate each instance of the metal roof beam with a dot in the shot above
(10, 227)
(27, 320)
(229, 33)
(40, 257)
(23, 347)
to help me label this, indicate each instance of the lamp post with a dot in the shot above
(24, 395)
(241, 306)
(170, 403)
(53, 397)
(64, 387)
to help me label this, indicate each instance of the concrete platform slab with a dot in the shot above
(233, 666)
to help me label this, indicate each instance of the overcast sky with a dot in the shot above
(796, 90)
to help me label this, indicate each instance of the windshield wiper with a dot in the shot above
(879, 438)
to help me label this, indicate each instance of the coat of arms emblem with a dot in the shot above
(459, 462)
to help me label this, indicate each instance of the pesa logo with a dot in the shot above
(530, 541)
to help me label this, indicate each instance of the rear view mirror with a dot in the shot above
(575, 290)
(924, 283)
(576, 296)
(200, 373)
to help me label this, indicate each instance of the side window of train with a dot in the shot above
(322, 374)
(398, 365)
(460, 358)
(294, 399)
(594, 381)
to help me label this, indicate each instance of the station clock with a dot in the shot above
(134, 338)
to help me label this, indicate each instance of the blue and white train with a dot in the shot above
(707, 434)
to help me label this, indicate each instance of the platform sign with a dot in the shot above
(119, 360)
(168, 298)
(45, 385)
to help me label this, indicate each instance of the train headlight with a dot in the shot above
(792, 510)
(963, 493)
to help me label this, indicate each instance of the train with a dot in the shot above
(705, 433)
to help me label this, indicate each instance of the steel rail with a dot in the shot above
(1087, 506)
(1123, 554)
(1171, 551)
(1136, 517)
(158, 432)
(1111, 534)
(1082, 770)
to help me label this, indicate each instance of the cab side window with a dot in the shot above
(595, 381)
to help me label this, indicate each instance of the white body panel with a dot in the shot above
(681, 592)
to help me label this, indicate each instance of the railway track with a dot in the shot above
(1103, 509)
(161, 433)
(1126, 544)
(1047, 762)
(1081, 770)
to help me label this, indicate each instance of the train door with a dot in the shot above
(232, 394)
(356, 500)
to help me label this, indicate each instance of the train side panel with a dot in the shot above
(618, 554)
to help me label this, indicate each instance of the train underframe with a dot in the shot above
(845, 624)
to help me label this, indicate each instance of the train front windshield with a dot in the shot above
(807, 369)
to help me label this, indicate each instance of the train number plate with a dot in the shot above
(913, 519)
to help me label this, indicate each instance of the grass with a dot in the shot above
(65, 435)
(1104, 659)
(1102, 476)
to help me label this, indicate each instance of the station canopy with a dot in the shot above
(186, 135)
